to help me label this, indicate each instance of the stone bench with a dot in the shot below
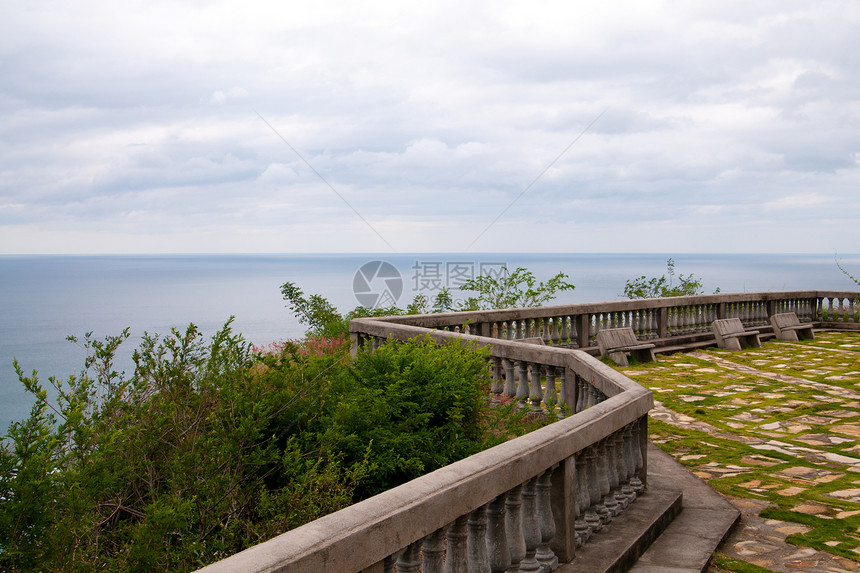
(731, 335)
(786, 326)
(617, 342)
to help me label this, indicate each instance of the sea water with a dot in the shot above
(44, 299)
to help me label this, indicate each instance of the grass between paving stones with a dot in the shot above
(792, 442)
(725, 563)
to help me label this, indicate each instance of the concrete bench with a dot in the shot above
(786, 326)
(617, 342)
(731, 335)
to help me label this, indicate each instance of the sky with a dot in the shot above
(297, 127)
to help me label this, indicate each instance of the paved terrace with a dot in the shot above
(777, 430)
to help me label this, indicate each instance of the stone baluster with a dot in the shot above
(545, 555)
(629, 467)
(377, 342)
(479, 561)
(496, 386)
(607, 446)
(592, 517)
(535, 390)
(555, 335)
(581, 525)
(581, 395)
(621, 495)
(595, 396)
(409, 561)
(457, 558)
(551, 398)
(606, 501)
(497, 537)
(510, 379)
(520, 322)
(433, 551)
(522, 381)
(636, 449)
(564, 399)
(590, 396)
(514, 528)
(564, 332)
(531, 527)
(595, 480)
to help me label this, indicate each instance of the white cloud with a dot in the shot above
(137, 121)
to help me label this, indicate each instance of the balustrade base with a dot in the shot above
(621, 543)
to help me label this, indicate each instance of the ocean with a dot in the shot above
(43, 299)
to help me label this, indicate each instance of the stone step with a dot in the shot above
(617, 547)
(689, 542)
(675, 527)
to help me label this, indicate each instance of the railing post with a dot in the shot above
(563, 499)
(583, 329)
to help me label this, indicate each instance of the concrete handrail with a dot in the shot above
(605, 439)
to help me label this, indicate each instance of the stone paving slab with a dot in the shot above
(785, 401)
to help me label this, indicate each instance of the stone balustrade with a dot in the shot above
(524, 505)
(664, 321)
(527, 504)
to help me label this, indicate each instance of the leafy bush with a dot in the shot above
(654, 287)
(412, 407)
(209, 448)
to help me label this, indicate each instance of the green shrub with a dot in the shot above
(209, 448)
(654, 287)
(411, 407)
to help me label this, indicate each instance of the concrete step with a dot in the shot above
(689, 542)
(617, 546)
(675, 527)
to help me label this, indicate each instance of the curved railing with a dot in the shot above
(529, 503)
(664, 321)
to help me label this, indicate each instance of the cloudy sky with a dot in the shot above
(228, 126)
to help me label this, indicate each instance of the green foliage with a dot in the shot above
(316, 311)
(412, 407)
(654, 287)
(209, 448)
(512, 290)
(325, 320)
